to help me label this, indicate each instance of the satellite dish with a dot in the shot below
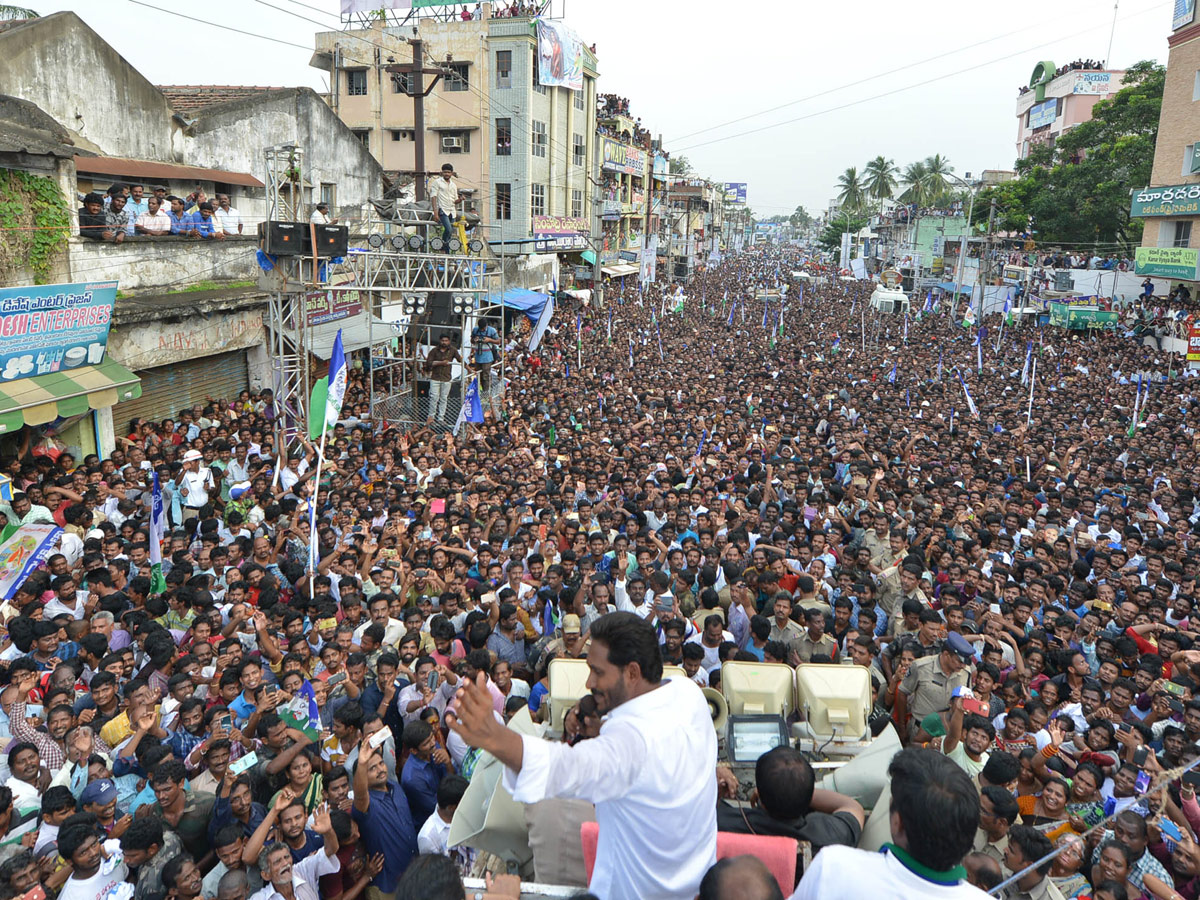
(718, 708)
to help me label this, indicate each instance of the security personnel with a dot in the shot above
(814, 641)
(930, 683)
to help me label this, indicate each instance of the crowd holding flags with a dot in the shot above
(967, 394)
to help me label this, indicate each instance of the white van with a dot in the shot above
(888, 301)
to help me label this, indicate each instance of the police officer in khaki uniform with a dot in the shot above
(930, 682)
(814, 641)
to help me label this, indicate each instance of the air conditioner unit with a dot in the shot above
(452, 143)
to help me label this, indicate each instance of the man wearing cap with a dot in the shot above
(929, 685)
(99, 797)
(195, 483)
(443, 192)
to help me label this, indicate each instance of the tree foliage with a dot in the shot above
(1077, 192)
(852, 193)
(831, 235)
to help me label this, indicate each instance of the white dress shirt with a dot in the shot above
(304, 877)
(652, 774)
(848, 872)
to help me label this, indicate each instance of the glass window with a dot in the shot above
(356, 82)
(503, 68)
(504, 137)
(503, 201)
(577, 204)
(578, 149)
(537, 199)
(457, 77)
(1183, 234)
(539, 138)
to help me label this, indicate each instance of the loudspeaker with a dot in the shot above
(440, 312)
(282, 238)
(1063, 281)
(332, 240)
(717, 708)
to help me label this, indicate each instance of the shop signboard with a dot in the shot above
(1166, 262)
(618, 157)
(1093, 83)
(1078, 318)
(1193, 350)
(1168, 200)
(735, 192)
(1185, 12)
(556, 225)
(1043, 114)
(53, 327)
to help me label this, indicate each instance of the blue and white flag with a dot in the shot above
(729, 324)
(472, 408)
(543, 322)
(658, 332)
(158, 524)
(703, 438)
(907, 402)
(631, 353)
(338, 375)
(837, 342)
(939, 375)
(766, 308)
(967, 394)
(1025, 369)
(906, 328)
(892, 375)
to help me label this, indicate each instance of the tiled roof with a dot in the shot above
(190, 98)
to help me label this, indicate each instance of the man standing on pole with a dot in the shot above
(650, 772)
(443, 192)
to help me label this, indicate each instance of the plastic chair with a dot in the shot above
(777, 853)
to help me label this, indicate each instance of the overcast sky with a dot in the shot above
(690, 67)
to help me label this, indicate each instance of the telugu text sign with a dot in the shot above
(1168, 200)
(1093, 83)
(554, 225)
(53, 327)
(1166, 262)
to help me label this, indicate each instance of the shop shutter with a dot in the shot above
(168, 389)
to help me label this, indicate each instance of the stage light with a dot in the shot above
(475, 245)
(455, 245)
(436, 244)
(375, 241)
(415, 242)
(415, 303)
(398, 241)
(462, 304)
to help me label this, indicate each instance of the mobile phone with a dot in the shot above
(427, 534)
(336, 679)
(431, 681)
(1192, 780)
(1170, 829)
(975, 705)
(379, 738)
(1143, 782)
(1139, 756)
(243, 763)
(224, 721)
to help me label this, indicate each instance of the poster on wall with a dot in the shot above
(22, 552)
(1185, 12)
(53, 327)
(560, 56)
(1193, 348)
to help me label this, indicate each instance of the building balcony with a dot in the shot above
(163, 264)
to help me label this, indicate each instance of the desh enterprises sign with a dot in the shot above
(623, 158)
(53, 327)
(1167, 262)
(1169, 200)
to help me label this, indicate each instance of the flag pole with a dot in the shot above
(1032, 385)
(314, 553)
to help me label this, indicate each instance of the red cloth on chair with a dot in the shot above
(777, 853)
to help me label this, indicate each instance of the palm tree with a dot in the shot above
(880, 174)
(851, 192)
(937, 167)
(915, 181)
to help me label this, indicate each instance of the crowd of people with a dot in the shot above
(126, 210)
(769, 474)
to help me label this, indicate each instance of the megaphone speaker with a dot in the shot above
(718, 708)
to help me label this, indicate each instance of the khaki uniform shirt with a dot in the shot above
(929, 688)
(806, 647)
(1043, 890)
(995, 851)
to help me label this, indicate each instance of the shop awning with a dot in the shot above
(149, 170)
(619, 270)
(589, 257)
(357, 334)
(71, 392)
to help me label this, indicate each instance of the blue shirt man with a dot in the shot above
(420, 779)
(383, 816)
(484, 350)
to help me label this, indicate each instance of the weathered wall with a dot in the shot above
(163, 264)
(149, 344)
(89, 88)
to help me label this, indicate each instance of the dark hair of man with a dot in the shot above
(754, 881)
(430, 877)
(938, 807)
(629, 639)
(785, 783)
(1004, 805)
(1032, 844)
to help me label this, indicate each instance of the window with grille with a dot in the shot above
(537, 199)
(539, 138)
(1183, 234)
(503, 68)
(356, 82)
(504, 137)
(402, 82)
(579, 96)
(457, 77)
(503, 201)
(577, 204)
(578, 150)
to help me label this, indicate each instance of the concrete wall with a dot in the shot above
(232, 136)
(68, 70)
(163, 264)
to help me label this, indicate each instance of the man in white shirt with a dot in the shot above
(230, 218)
(320, 215)
(195, 482)
(278, 871)
(443, 192)
(640, 771)
(934, 815)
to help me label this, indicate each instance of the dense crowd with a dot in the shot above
(126, 210)
(769, 474)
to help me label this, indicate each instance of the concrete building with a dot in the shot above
(623, 168)
(1058, 99)
(523, 152)
(1170, 204)
(188, 321)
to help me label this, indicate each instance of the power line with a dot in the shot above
(171, 12)
(900, 90)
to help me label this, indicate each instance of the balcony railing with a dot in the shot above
(164, 263)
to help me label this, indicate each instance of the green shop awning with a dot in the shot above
(589, 257)
(43, 398)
